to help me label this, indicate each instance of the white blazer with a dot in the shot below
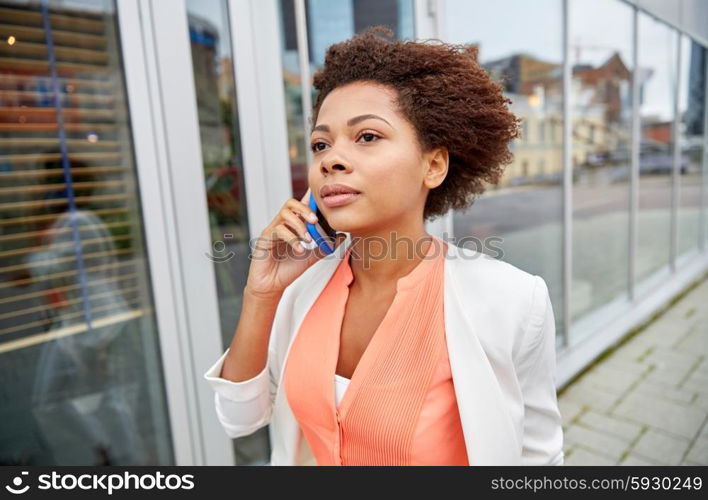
(500, 331)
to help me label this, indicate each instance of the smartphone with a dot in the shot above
(330, 233)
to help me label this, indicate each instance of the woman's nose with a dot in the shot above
(326, 167)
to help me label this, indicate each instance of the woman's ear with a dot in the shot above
(437, 163)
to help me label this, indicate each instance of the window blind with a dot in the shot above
(69, 221)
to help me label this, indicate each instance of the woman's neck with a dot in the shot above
(378, 261)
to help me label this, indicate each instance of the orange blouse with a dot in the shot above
(399, 407)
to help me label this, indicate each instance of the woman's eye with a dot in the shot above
(370, 135)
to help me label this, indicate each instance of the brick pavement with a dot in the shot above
(646, 402)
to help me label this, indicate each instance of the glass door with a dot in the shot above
(80, 363)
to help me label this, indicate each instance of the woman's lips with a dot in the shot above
(337, 200)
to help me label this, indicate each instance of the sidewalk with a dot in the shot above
(645, 403)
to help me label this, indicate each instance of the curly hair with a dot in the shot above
(450, 100)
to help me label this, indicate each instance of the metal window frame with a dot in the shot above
(698, 246)
(155, 40)
(303, 53)
(634, 163)
(703, 217)
(676, 154)
(567, 181)
(258, 73)
(160, 253)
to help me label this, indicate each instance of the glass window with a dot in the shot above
(525, 210)
(657, 73)
(212, 60)
(297, 139)
(328, 22)
(80, 369)
(692, 100)
(601, 60)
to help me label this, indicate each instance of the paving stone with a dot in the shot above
(633, 350)
(684, 421)
(699, 451)
(668, 392)
(626, 365)
(611, 425)
(569, 409)
(597, 441)
(699, 377)
(591, 396)
(610, 379)
(635, 460)
(661, 448)
(700, 330)
(696, 342)
(704, 431)
(662, 356)
(665, 332)
(581, 456)
(669, 374)
(695, 384)
(701, 402)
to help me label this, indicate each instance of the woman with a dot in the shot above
(398, 348)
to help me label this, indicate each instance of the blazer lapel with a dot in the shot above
(288, 433)
(486, 423)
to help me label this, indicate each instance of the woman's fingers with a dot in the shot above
(290, 223)
(285, 233)
(303, 209)
(295, 223)
(306, 197)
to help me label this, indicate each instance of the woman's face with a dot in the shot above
(378, 155)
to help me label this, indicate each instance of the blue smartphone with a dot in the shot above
(314, 232)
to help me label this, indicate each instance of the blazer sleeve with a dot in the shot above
(543, 431)
(242, 407)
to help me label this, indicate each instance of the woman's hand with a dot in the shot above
(279, 258)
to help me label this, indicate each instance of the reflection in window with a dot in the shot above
(328, 22)
(657, 73)
(692, 101)
(80, 369)
(212, 60)
(525, 209)
(601, 64)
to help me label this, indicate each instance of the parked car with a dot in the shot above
(660, 162)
